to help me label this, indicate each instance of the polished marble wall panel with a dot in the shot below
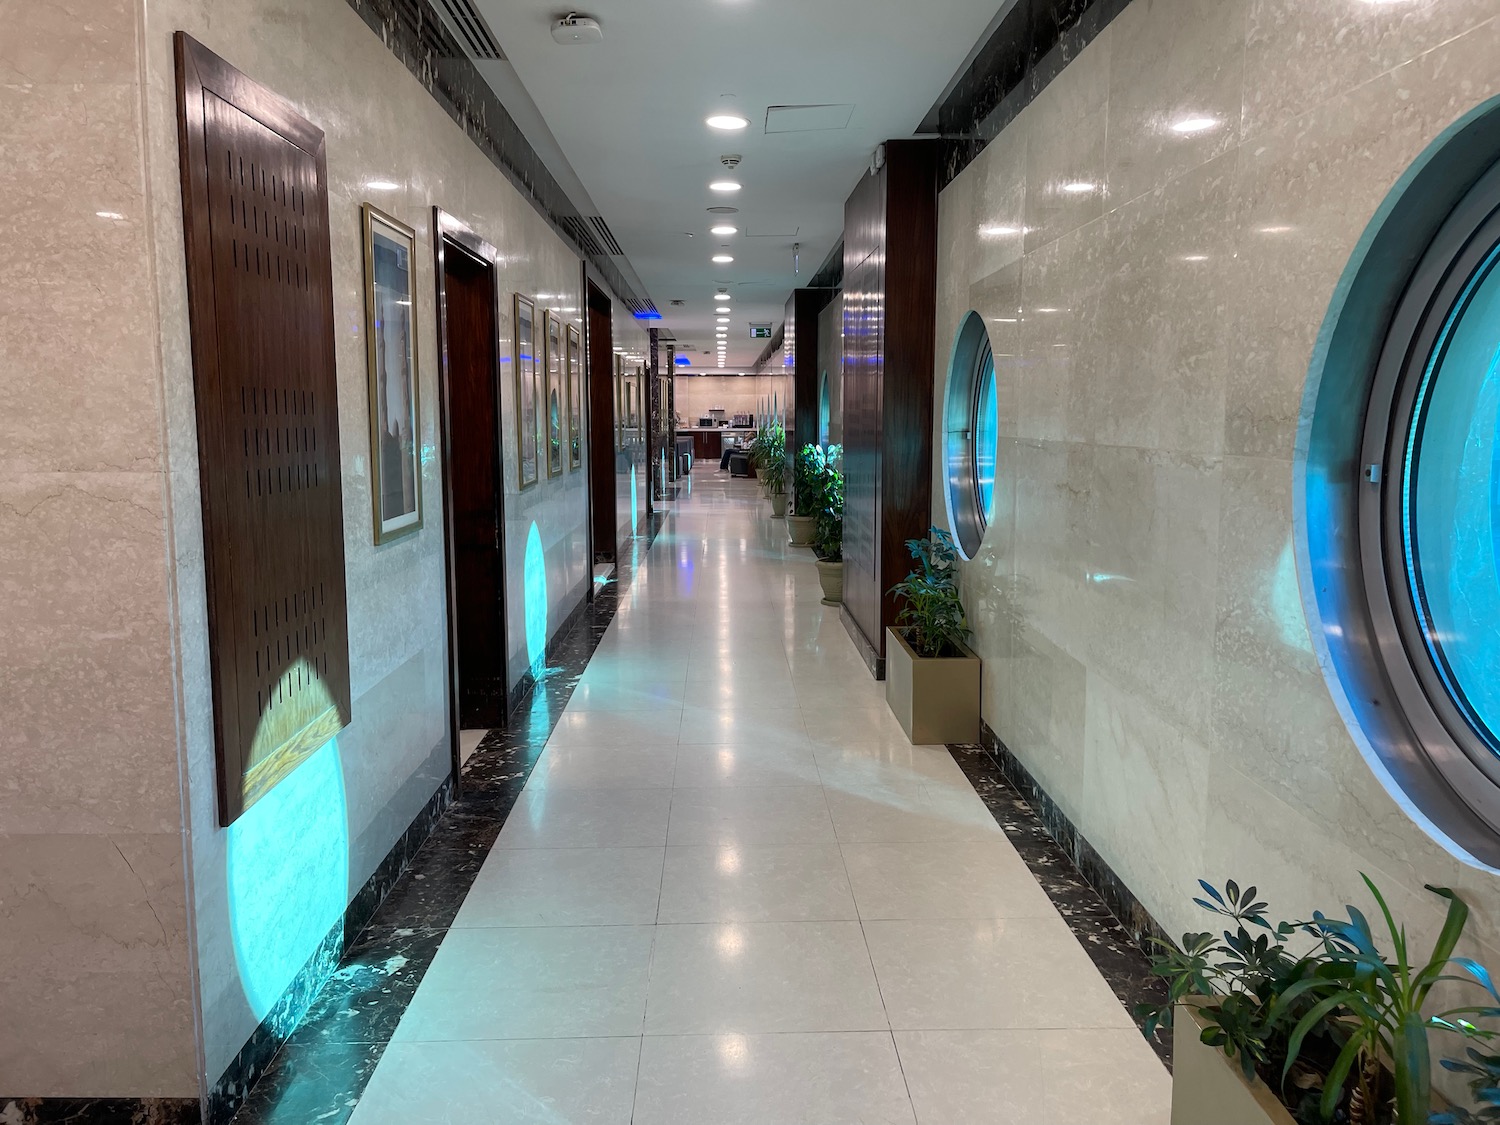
(382, 128)
(1136, 597)
(698, 394)
(95, 977)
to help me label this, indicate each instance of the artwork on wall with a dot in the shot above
(527, 392)
(391, 356)
(266, 397)
(575, 398)
(555, 395)
(619, 403)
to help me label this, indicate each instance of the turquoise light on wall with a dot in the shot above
(288, 876)
(535, 575)
(634, 499)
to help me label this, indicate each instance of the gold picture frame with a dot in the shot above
(528, 429)
(575, 398)
(390, 254)
(554, 396)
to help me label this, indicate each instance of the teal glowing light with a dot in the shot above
(1286, 601)
(288, 876)
(634, 499)
(535, 597)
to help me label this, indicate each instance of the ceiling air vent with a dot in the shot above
(643, 310)
(583, 234)
(432, 34)
(606, 236)
(472, 29)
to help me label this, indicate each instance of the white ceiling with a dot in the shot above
(627, 115)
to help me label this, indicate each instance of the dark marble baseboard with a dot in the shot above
(868, 652)
(99, 1111)
(522, 687)
(1108, 920)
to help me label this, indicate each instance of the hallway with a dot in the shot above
(730, 892)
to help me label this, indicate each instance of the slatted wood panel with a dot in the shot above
(260, 292)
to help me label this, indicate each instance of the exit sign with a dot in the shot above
(760, 332)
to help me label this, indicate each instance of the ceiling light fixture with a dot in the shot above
(724, 185)
(723, 228)
(723, 320)
(721, 295)
(729, 122)
(723, 259)
(1078, 187)
(722, 308)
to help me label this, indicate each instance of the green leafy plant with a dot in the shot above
(828, 507)
(773, 459)
(932, 613)
(1484, 1090)
(805, 472)
(1378, 1003)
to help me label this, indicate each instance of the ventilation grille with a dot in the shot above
(472, 29)
(418, 28)
(606, 236)
(639, 307)
(583, 234)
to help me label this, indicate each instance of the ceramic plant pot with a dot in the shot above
(778, 505)
(799, 530)
(831, 577)
(935, 699)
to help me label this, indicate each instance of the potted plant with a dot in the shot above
(773, 468)
(828, 525)
(805, 471)
(1268, 1035)
(931, 677)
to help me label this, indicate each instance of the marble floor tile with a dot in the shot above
(516, 1081)
(1060, 1077)
(762, 977)
(587, 818)
(736, 1079)
(750, 815)
(600, 767)
(650, 694)
(716, 726)
(913, 813)
(998, 973)
(565, 887)
(755, 883)
(532, 983)
(770, 762)
(961, 879)
(618, 729)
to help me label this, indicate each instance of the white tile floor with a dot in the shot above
(731, 894)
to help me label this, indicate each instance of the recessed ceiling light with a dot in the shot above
(723, 228)
(381, 185)
(1078, 187)
(723, 259)
(723, 320)
(1194, 124)
(724, 185)
(730, 122)
(721, 295)
(722, 308)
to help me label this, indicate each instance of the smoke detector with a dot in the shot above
(731, 159)
(573, 28)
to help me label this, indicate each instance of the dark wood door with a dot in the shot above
(260, 293)
(602, 424)
(473, 397)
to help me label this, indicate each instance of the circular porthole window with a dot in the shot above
(1430, 504)
(971, 439)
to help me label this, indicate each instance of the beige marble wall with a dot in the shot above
(1136, 597)
(736, 394)
(95, 987)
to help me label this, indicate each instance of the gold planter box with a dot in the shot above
(935, 699)
(1207, 1086)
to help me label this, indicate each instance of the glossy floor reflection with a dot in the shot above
(731, 892)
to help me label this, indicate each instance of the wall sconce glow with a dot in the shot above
(729, 122)
(1286, 602)
(381, 185)
(1078, 187)
(535, 581)
(724, 185)
(635, 502)
(1190, 125)
(723, 259)
(287, 874)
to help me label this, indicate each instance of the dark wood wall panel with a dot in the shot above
(601, 384)
(890, 308)
(801, 342)
(260, 292)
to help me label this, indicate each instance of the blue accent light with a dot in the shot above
(683, 361)
(535, 575)
(653, 315)
(288, 876)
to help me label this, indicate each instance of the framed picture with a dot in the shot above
(527, 392)
(391, 356)
(575, 398)
(619, 403)
(554, 419)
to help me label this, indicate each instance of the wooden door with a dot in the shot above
(260, 293)
(472, 374)
(602, 453)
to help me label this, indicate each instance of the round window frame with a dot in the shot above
(966, 515)
(1426, 311)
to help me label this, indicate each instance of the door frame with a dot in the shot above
(448, 231)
